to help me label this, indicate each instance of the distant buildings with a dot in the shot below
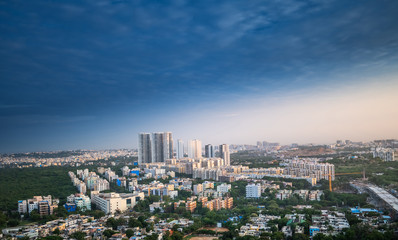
(155, 148)
(224, 154)
(197, 188)
(162, 146)
(314, 195)
(91, 181)
(77, 201)
(253, 190)
(111, 202)
(218, 203)
(45, 205)
(195, 149)
(224, 188)
(329, 222)
(386, 154)
(209, 151)
(180, 149)
(144, 148)
(310, 168)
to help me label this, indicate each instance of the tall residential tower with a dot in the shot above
(224, 154)
(155, 148)
(180, 149)
(195, 149)
(144, 148)
(162, 146)
(209, 151)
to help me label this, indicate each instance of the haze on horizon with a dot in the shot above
(93, 74)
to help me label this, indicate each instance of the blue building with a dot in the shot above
(313, 229)
(358, 210)
(70, 207)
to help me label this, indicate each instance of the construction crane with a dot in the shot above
(338, 174)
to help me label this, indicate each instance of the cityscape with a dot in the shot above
(199, 120)
(170, 188)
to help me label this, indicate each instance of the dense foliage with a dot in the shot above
(17, 184)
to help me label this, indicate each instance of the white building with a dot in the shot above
(110, 202)
(224, 188)
(195, 149)
(253, 190)
(22, 206)
(180, 149)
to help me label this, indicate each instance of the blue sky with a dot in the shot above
(93, 74)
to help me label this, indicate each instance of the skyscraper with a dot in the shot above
(180, 149)
(224, 154)
(195, 149)
(168, 145)
(209, 151)
(144, 148)
(162, 146)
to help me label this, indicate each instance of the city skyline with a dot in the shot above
(92, 75)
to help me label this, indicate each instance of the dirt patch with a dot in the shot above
(203, 238)
(217, 229)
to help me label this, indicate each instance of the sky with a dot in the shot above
(93, 74)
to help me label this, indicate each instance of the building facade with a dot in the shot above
(224, 154)
(253, 190)
(195, 149)
(209, 151)
(144, 148)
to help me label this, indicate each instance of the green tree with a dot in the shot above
(13, 223)
(56, 231)
(129, 233)
(152, 237)
(108, 233)
(78, 235)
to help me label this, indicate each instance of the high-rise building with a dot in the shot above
(224, 154)
(168, 149)
(209, 151)
(180, 149)
(162, 146)
(195, 149)
(144, 148)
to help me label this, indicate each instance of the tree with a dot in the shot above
(299, 236)
(34, 216)
(56, 231)
(152, 237)
(108, 233)
(177, 236)
(129, 233)
(277, 236)
(133, 222)
(52, 238)
(61, 212)
(13, 223)
(3, 219)
(96, 213)
(114, 223)
(321, 236)
(78, 235)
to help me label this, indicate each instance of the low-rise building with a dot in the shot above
(111, 202)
